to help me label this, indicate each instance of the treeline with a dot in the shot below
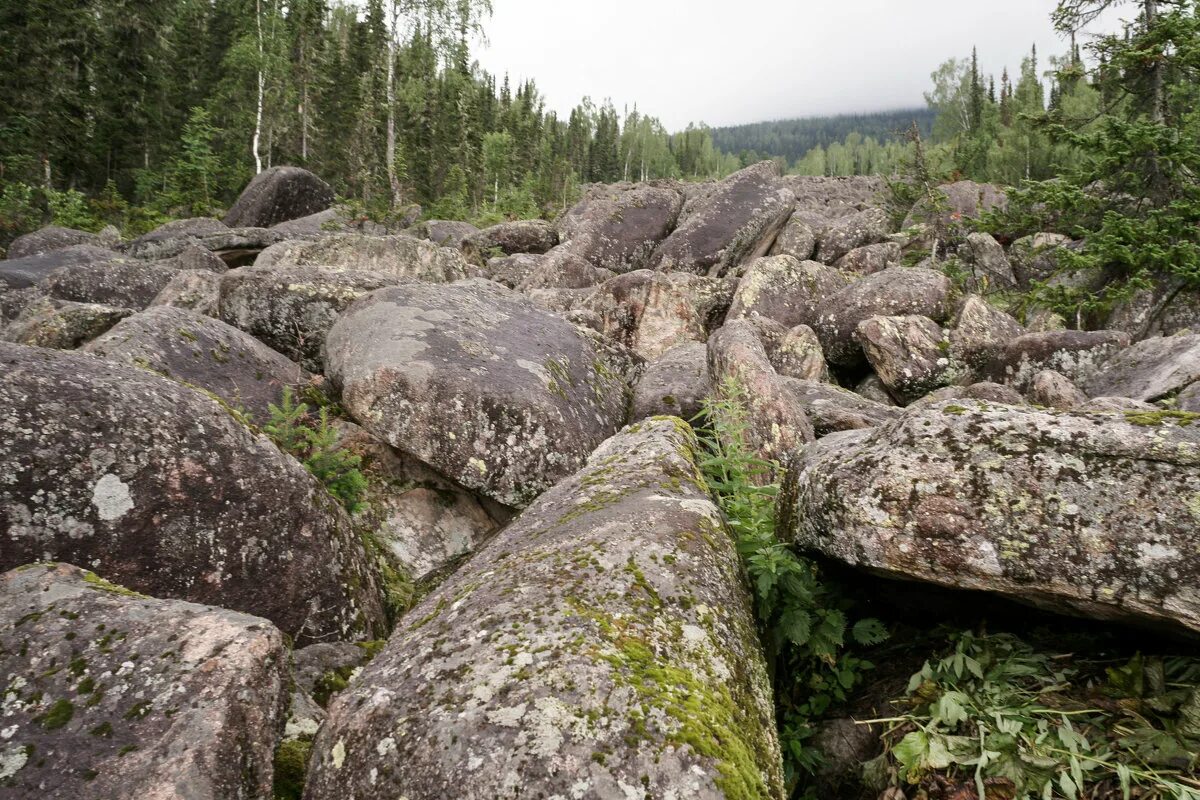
(172, 105)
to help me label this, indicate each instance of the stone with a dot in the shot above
(981, 332)
(312, 225)
(478, 383)
(157, 487)
(203, 353)
(1091, 514)
(618, 227)
(797, 239)
(511, 270)
(873, 389)
(509, 238)
(871, 226)
(869, 259)
(49, 239)
(125, 282)
(821, 199)
(649, 312)
(113, 694)
(960, 200)
(1189, 399)
(61, 324)
(1166, 308)
(22, 273)
(832, 408)
(1152, 369)
(443, 232)
(736, 222)
(1101, 404)
(397, 256)
(910, 354)
(990, 268)
(785, 290)
(897, 291)
(1033, 257)
(674, 384)
(1077, 355)
(291, 309)
(616, 620)
(1052, 390)
(559, 269)
(194, 289)
(794, 352)
(163, 240)
(279, 194)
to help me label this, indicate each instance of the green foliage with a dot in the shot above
(192, 175)
(314, 443)
(1008, 721)
(803, 619)
(70, 210)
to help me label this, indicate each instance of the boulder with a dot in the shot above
(163, 238)
(649, 312)
(869, 259)
(279, 194)
(1092, 514)
(785, 290)
(873, 389)
(203, 353)
(984, 390)
(619, 655)
(1149, 370)
(1116, 404)
(112, 694)
(832, 408)
(398, 256)
(736, 222)
(618, 227)
(61, 324)
(794, 352)
(511, 270)
(125, 282)
(897, 291)
(1189, 399)
(310, 226)
(1165, 308)
(510, 238)
(674, 384)
(443, 232)
(849, 233)
(478, 383)
(981, 332)
(22, 273)
(1077, 355)
(49, 239)
(195, 289)
(823, 199)
(559, 269)
(1052, 390)
(291, 309)
(910, 354)
(990, 268)
(962, 199)
(1033, 257)
(156, 486)
(798, 239)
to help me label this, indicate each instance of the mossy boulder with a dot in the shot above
(61, 324)
(400, 256)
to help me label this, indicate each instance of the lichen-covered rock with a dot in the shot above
(1052, 390)
(871, 226)
(446, 233)
(112, 694)
(785, 290)
(793, 352)
(560, 269)
(1149, 370)
(798, 239)
(990, 268)
(171, 238)
(869, 259)
(873, 389)
(981, 332)
(1094, 514)
(736, 222)
(1077, 355)
(618, 227)
(1033, 257)
(478, 383)
(831, 408)
(910, 354)
(398, 256)
(674, 384)
(1189, 399)
(49, 239)
(61, 324)
(1117, 404)
(292, 309)
(509, 238)
(896, 291)
(156, 486)
(618, 655)
(962, 199)
(204, 353)
(511, 270)
(822, 199)
(125, 282)
(1165, 308)
(984, 390)
(277, 195)
(649, 312)
(311, 225)
(22, 273)
(194, 289)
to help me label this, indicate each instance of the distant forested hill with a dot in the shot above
(793, 138)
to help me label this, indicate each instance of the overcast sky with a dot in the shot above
(730, 61)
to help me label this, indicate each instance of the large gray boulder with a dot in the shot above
(111, 694)
(1052, 390)
(125, 282)
(204, 353)
(870, 258)
(618, 227)
(1093, 514)
(22, 273)
(649, 312)
(603, 645)
(446, 233)
(785, 290)
(277, 195)
(1149, 370)
(981, 332)
(831, 408)
(910, 354)
(400, 256)
(156, 486)
(674, 384)
(49, 239)
(194, 289)
(868, 227)
(510, 238)
(990, 268)
(61, 324)
(736, 222)
(1034, 258)
(798, 239)
(1077, 355)
(475, 381)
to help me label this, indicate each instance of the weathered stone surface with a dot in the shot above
(478, 383)
(291, 309)
(981, 331)
(1052, 390)
(849, 233)
(1189, 399)
(510, 238)
(111, 694)
(125, 282)
(873, 389)
(1077, 355)
(1033, 257)
(990, 268)
(793, 352)
(61, 324)
(896, 291)
(785, 290)
(649, 312)
(49, 239)
(156, 486)
(618, 227)
(831, 408)
(674, 384)
(277, 195)
(963, 199)
(309, 226)
(777, 423)
(615, 622)
(732, 225)
(511, 270)
(22, 273)
(560, 269)
(1117, 404)
(171, 238)
(443, 232)
(869, 259)
(984, 390)
(399, 256)
(204, 353)
(195, 289)
(798, 239)
(1094, 514)
(1166, 308)
(1149, 370)
(910, 354)
(821, 199)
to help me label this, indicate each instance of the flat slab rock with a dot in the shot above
(1091, 514)
(601, 646)
(477, 382)
(400, 256)
(111, 694)
(1149, 370)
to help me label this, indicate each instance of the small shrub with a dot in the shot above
(314, 443)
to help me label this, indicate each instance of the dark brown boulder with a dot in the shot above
(277, 195)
